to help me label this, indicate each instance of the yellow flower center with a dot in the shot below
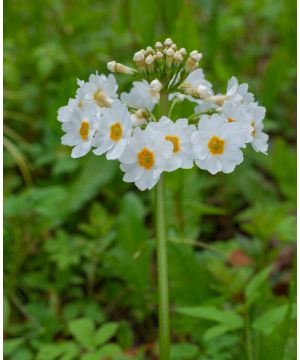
(230, 120)
(175, 141)
(146, 158)
(101, 99)
(116, 132)
(84, 130)
(253, 131)
(80, 104)
(216, 145)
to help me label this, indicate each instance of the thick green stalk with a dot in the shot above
(162, 261)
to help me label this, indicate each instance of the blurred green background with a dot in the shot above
(80, 279)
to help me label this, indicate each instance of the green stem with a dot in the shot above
(248, 335)
(162, 262)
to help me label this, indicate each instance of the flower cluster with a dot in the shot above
(124, 126)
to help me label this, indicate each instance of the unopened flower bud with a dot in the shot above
(168, 42)
(183, 52)
(195, 56)
(192, 62)
(113, 66)
(178, 59)
(203, 91)
(170, 56)
(155, 86)
(149, 50)
(159, 55)
(158, 46)
(188, 89)
(149, 62)
(217, 99)
(139, 117)
(139, 59)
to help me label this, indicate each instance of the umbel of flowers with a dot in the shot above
(124, 127)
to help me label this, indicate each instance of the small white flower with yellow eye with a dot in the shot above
(65, 113)
(179, 134)
(240, 117)
(81, 129)
(145, 158)
(217, 144)
(235, 93)
(143, 95)
(114, 131)
(260, 139)
(100, 89)
(238, 92)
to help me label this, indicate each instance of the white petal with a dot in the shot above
(81, 150)
(117, 150)
(133, 173)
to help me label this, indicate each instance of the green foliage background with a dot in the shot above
(79, 242)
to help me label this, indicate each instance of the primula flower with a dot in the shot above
(80, 130)
(65, 112)
(179, 134)
(146, 143)
(145, 158)
(217, 144)
(142, 95)
(260, 139)
(113, 132)
(238, 92)
(100, 89)
(240, 117)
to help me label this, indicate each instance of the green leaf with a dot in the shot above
(216, 331)
(10, 345)
(183, 351)
(66, 350)
(269, 320)
(6, 312)
(132, 236)
(83, 331)
(108, 350)
(227, 317)
(105, 333)
(90, 356)
(253, 287)
(88, 182)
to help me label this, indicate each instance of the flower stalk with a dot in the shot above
(162, 260)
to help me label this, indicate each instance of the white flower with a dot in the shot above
(65, 113)
(179, 134)
(204, 106)
(114, 131)
(235, 93)
(100, 89)
(238, 93)
(142, 95)
(80, 83)
(145, 158)
(260, 139)
(194, 86)
(239, 116)
(217, 144)
(81, 130)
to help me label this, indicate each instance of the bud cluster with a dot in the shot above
(165, 62)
